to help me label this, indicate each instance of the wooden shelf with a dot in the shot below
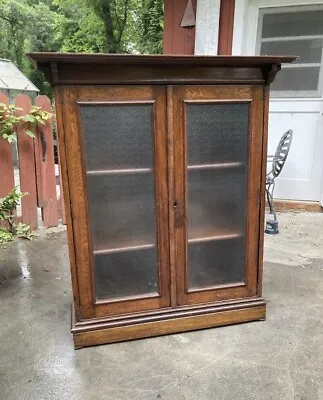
(215, 166)
(122, 246)
(208, 234)
(197, 236)
(120, 171)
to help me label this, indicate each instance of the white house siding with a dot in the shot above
(302, 176)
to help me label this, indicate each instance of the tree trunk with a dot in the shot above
(111, 45)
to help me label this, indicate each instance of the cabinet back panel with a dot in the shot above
(117, 136)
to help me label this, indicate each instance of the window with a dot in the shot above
(294, 31)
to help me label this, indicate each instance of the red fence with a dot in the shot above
(34, 170)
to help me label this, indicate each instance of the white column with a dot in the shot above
(240, 15)
(207, 27)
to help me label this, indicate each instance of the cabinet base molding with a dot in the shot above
(163, 322)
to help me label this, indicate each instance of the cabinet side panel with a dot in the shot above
(266, 91)
(254, 189)
(65, 180)
(78, 200)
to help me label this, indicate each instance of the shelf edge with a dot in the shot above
(119, 171)
(216, 166)
(123, 249)
(216, 237)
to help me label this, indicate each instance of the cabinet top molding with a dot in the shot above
(73, 68)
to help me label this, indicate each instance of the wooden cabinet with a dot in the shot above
(163, 161)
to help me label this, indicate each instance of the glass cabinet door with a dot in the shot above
(218, 132)
(123, 140)
(217, 136)
(118, 151)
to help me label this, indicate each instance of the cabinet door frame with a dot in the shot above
(218, 94)
(72, 142)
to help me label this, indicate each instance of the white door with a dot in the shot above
(290, 27)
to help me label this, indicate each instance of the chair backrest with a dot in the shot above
(281, 153)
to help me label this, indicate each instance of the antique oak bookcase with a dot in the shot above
(163, 161)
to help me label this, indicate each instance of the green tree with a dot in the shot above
(14, 17)
(92, 26)
(27, 26)
(79, 28)
(110, 26)
(152, 27)
(114, 15)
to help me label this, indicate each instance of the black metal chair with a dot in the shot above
(278, 162)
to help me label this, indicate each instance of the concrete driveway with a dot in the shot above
(281, 358)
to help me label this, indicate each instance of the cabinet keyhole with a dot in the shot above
(175, 204)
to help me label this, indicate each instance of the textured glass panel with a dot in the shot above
(296, 79)
(118, 150)
(300, 23)
(122, 209)
(217, 132)
(308, 51)
(117, 136)
(216, 201)
(123, 274)
(218, 262)
(217, 137)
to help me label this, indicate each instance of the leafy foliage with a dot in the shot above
(91, 26)
(78, 27)
(114, 16)
(152, 27)
(26, 25)
(5, 235)
(9, 120)
(8, 206)
(23, 231)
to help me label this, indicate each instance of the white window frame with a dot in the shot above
(290, 9)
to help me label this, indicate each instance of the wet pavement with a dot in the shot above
(280, 358)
